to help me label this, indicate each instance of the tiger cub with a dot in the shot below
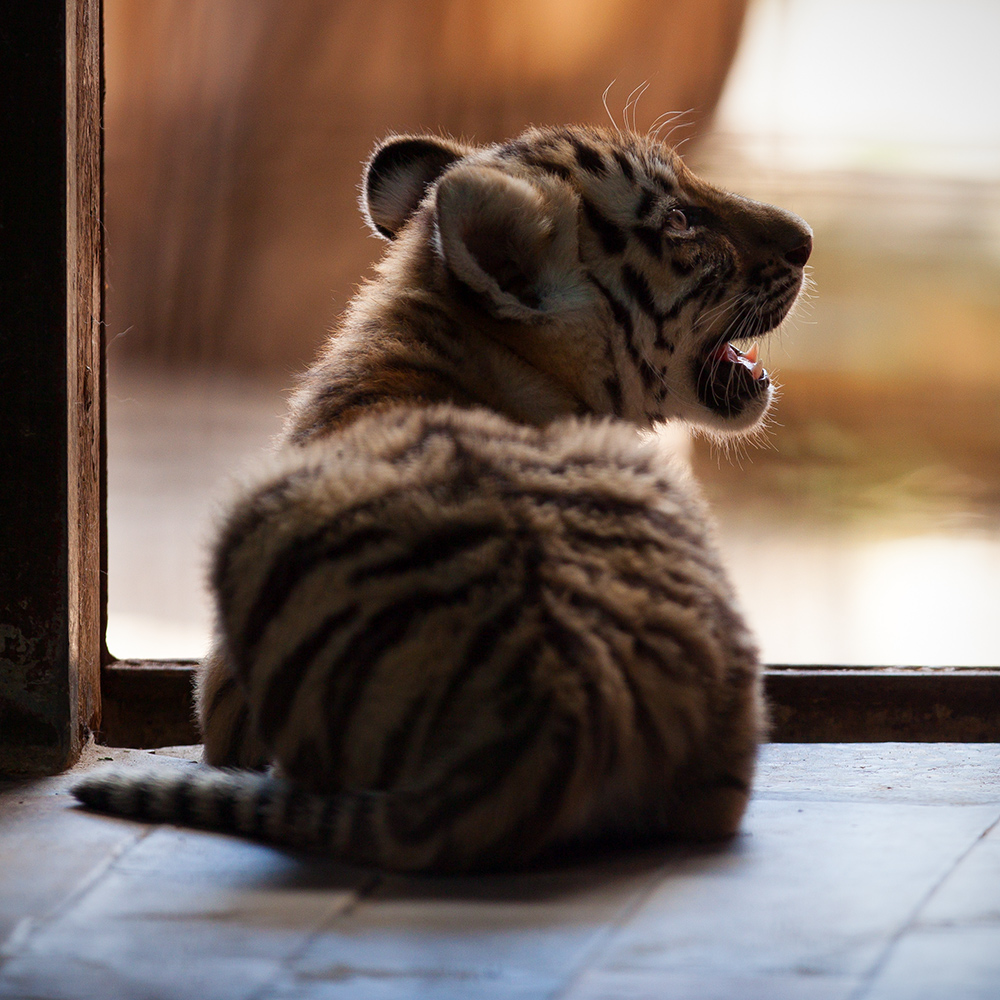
(468, 614)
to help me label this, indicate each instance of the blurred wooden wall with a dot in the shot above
(236, 131)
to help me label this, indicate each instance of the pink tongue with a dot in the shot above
(726, 352)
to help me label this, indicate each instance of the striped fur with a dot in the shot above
(466, 612)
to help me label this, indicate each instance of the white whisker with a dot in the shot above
(604, 101)
(633, 100)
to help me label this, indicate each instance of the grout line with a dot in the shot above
(285, 965)
(19, 940)
(603, 939)
(868, 980)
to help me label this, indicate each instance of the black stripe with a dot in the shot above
(295, 805)
(362, 843)
(337, 390)
(479, 773)
(675, 309)
(250, 518)
(513, 148)
(349, 673)
(575, 652)
(139, 801)
(624, 164)
(262, 799)
(534, 829)
(612, 507)
(681, 268)
(616, 537)
(518, 679)
(646, 725)
(183, 800)
(656, 584)
(612, 237)
(687, 650)
(648, 373)
(403, 366)
(283, 683)
(224, 808)
(476, 656)
(428, 432)
(651, 239)
(614, 390)
(620, 311)
(646, 203)
(638, 287)
(614, 619)
(723, 275)
(94, 795)
(673, 528)
(550, 166)
(590, 159)
(431, 550)
(395, 745)
(326, 828)
(237, 736)
(679, 303)
(222, 691)
(621, 315)
(584, 502)
(428, 336)
(307, 763)
(298, 560)
(662, 342)
(663, 183)
(584, 462)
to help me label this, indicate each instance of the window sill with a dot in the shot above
(147, 703)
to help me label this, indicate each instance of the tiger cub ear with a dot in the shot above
(398, 175)
(512, 241)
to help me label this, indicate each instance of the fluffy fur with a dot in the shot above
(467, 613)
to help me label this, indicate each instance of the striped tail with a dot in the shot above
(350, 826)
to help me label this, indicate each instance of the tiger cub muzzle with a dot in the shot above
(730, 380)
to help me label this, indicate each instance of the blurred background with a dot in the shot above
(865, 530)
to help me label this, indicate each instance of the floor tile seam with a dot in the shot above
(285, 967)
(988, 921)
(873, 800)
(65, 905)
(869, 980)
(604, 940)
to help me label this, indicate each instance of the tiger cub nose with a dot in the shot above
(798, 255)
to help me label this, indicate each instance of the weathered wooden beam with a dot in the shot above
(882, 704)
(50, 364)
(148, 704)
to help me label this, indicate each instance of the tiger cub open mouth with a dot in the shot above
(729, 378)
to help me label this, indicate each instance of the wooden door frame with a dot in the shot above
(57, 681)
(51, 290)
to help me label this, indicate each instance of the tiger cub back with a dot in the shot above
(468, 614)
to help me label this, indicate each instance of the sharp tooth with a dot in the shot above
(751, 355)
(758, 369)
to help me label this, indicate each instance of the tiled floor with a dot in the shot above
(863, 872)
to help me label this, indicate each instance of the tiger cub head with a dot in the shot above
(602, 262)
